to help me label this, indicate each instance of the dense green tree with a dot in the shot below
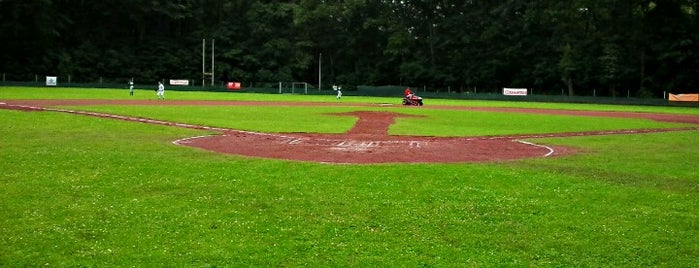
(580, 47)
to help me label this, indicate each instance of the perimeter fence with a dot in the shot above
(361, 90)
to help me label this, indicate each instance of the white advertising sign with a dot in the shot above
(51, 80)
(514, 91)
(179, 82)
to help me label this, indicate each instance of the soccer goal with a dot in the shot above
(293, 87)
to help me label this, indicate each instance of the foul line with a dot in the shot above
(551, 151)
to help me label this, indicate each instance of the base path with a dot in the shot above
(367, 142)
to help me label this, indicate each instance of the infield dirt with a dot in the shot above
(368, 140)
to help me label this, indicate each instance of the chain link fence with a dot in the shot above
(348, 90)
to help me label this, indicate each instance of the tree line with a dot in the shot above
(609, 47)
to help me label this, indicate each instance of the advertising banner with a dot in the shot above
(514, 91)
(233, 86)
(179, 82)
(683, 97)
(51, 80)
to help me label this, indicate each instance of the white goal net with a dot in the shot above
(293, 87)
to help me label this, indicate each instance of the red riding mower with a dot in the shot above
(412, 100)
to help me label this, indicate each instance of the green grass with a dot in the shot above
(427, 123)
(251, 118)
(142, 94)
(84, 191)
(477, 123)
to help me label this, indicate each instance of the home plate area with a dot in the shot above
(341, 149)
(368, 142)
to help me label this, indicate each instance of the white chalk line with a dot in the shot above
(142, 120)
(586, 133)
(185, 140)
(347, 145)
(550, 150)
(155, 122)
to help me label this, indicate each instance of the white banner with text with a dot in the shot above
(179, 82)
(514, 91)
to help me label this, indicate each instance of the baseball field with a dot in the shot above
(98, 178)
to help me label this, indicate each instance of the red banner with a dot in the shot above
(233, 86)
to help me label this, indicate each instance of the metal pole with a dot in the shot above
(212, 61)
(320, 62)
(203, 60)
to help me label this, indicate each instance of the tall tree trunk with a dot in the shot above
(643, 70)
(569, 83)
(431, 32)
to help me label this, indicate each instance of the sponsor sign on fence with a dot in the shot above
(179, 82)
(683, 97)
(233, 86)
(51, 80)
(514, 91)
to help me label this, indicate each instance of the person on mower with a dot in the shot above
(408, 93)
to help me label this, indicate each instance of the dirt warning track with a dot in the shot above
(366, 142)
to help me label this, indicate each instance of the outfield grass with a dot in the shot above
(101, 93)
(85, 191)
(285, 119)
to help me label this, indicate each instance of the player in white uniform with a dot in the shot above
(161, 91)
(131, 87)
(339, 91)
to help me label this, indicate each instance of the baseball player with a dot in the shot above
(339, 91)
(131, 87)
(161, 91)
